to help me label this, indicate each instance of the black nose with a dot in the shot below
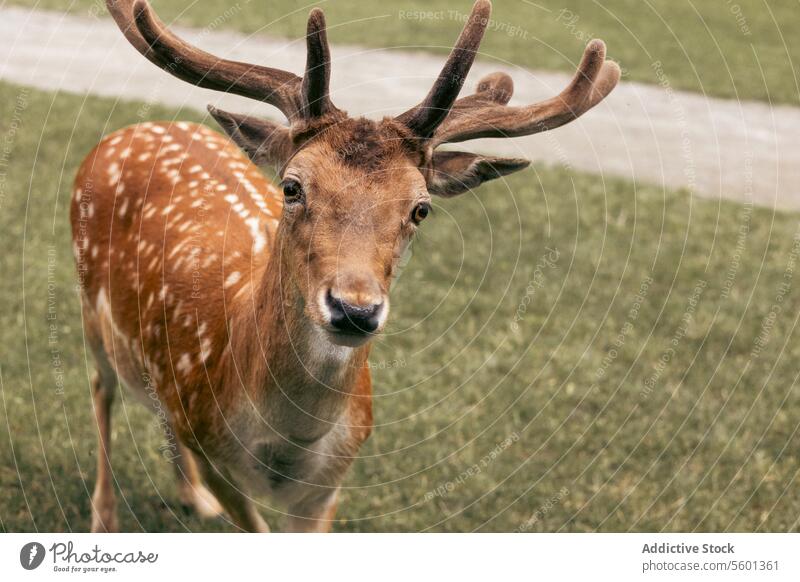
(353, 318)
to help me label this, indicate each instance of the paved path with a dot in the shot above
(649, 134)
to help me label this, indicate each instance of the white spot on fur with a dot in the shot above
(176, 313)
(177, 248)
(205, 349)
(209, 260)
(259, 240)
(232, 279)
(184, 364)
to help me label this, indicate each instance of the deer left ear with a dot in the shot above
(265, 143)
(453, 173)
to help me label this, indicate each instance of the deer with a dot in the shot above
(243, 313)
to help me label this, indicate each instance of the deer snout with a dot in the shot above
(355, 305)
(354, 318)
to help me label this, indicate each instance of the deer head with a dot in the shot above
(356, 190)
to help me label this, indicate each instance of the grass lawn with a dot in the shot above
(566, 353)
(747, 49)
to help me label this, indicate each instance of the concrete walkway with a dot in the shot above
(717, 148)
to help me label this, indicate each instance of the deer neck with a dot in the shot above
(290, 366)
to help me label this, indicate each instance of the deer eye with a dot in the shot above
(420, 212)
(292, 191)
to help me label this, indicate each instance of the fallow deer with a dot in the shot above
(245, 313)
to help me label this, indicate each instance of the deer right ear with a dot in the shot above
(453, 173)
(265, 143)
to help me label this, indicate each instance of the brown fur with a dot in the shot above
(160, 228)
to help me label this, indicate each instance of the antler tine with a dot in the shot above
(480, 115)
(590, 85)
(122, 13)
(493, 89)
(316, 81)
(426, 117)
(152, 39)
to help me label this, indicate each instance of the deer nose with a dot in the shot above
(351, 317)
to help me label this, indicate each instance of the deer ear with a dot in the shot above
(265, 143)
(453, 173)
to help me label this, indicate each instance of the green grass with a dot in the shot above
(713, 445)
(748, 49)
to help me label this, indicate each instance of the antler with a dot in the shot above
(426, 117)
(485, 114)
(438, 119)
(297, 98)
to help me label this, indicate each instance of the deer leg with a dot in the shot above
(238, 506)
(191, 490)
(104, 502)
(315, 513)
